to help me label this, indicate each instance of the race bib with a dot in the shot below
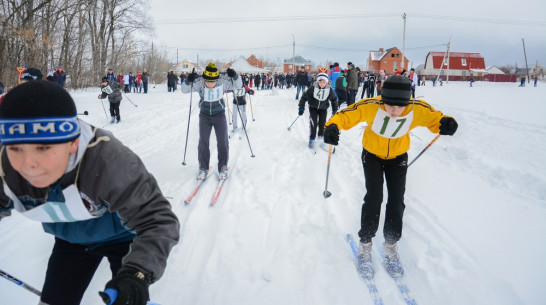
(321, 94)
(240, 92)
(73, 209)
(107, 90)
(391, 128)
(214, 94)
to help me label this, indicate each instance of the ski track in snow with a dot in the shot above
(273, 239)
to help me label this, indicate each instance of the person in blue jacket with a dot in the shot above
(59, 76)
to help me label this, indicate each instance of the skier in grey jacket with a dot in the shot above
(113, 90)
(88, 190)
(211, 88)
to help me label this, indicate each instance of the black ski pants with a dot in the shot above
(114, 110)
(219, 123)
(394, 171)
(317, 119)
(71, 268)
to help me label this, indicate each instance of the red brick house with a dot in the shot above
(387, 60)
(294, 64)
(255, 62)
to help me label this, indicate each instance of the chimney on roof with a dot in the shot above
(380, 49)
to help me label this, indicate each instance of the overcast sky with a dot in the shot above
(346, 30)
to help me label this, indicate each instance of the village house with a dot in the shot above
(294, 64)
(387, 60)
(255, 62)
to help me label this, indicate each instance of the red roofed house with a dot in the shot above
(456, 65)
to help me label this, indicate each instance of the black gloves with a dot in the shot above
(448, 126)
(131, 286)
(231, 73)
(331, 134)
(191, 77)
(300, 111)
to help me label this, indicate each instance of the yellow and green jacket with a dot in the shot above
(391, 145)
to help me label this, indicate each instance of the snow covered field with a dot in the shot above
(473, 229)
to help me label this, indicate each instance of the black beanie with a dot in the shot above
(396, 90)
(211, 73)
(32, 74)
(38, 112)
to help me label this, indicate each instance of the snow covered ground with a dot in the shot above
(473, 229)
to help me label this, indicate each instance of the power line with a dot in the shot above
(350, 16)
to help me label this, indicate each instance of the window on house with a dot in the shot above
(463, 61)
(392, 55)
(397, 55)
(394, 65)
(445, 61)
(290, 66)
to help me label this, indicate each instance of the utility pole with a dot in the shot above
(293, 54)
(403, 43)
(526, 66)
(444, 59)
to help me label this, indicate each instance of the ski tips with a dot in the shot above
(326, 194)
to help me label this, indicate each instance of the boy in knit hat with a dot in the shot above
(239, 105)
(211, 88)
(113, 90)
(88, 190)
(390, 117)
(319, 95)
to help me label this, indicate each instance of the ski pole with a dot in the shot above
(84, 113)
(293, 122)
(251, 110)
(241, 117)
(189, 117)
(326, 193)
(18, 282)
(103, 108)
(110, 295)
(429, 144)
(130, 100)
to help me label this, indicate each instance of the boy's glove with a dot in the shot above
(300, 111)
(191, 77)
(231, 73)
(448, 126)
(131, 286)
(331, 134)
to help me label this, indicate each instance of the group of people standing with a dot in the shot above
(137, 82)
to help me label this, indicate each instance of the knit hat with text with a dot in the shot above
(38, 112)
(396, 91)
(211, 73)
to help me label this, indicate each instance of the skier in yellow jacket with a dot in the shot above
(390, 117)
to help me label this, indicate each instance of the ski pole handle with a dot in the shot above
(110, 295)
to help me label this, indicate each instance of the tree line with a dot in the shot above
(85, 37)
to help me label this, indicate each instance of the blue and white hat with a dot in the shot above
(36, 113)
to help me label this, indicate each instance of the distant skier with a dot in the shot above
(112, 90)
(319, 96)
(386, 140)
(239, 105)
